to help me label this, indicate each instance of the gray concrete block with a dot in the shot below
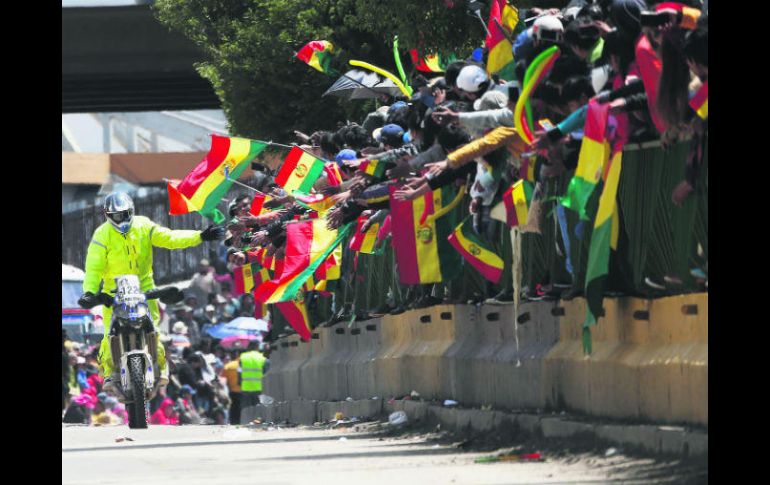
(325, 410)
(671, 440)
(697, 444)
(446, 417)
(302, 412)
(483, 421)
(529, 423)
(463, 418)
(611, 433)
(562, 428)
(644, 437)
(416, 410)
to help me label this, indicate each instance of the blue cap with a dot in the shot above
(187, 388)
(346, 154)
(396, 105)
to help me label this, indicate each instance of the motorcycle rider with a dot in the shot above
(123, 245)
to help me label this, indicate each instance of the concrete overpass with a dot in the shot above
(121, 58)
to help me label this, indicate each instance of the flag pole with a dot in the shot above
(478, 14)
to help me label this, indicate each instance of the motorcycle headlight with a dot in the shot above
(136, 313)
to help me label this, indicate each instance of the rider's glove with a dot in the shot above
(213, 232)
(88, 300)
(172, 297)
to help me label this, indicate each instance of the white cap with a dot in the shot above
(492, 99)
(471, 78)
(179, 327)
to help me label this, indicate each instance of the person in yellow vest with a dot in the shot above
(123, 245)
(252, 369)
(231, 372)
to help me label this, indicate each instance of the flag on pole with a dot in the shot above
(500, 60)
(203, 188)
(299, 171)
(422, 251)
(429, 63)
(516, 200)
(257, 204)
(594, 151)
(317, 54)
(477, 251)
(603, 238)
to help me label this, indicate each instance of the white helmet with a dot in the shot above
(548, 28)
(119, 210)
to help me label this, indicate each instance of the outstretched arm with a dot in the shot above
(164, 237)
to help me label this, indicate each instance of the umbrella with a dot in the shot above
(238, 326)
(239, 341)
(356, 84)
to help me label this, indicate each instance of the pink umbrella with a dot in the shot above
(239, 341)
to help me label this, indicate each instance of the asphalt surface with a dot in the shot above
(215, 455)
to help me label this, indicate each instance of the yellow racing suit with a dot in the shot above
(112, 254)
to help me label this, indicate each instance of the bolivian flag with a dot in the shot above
(594, 151)
(317, 54)
(299, 171)
(308, 245)
(422, 251)
(603, 238)
(364, 242)
(295, 313)
(203, 188)
(478, 252)
(257, 205)
(374, 168)
(318, 202)
(248, 277)
(430, 63)
(516, 200)
(700, 102)
(500, 59)
(333, 175)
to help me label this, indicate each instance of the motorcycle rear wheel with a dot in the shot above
(137, 408)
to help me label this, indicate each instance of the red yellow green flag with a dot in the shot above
(502, 22)
(299, 171)
(429, 63)
(248, 277)
(478, 252)
(700, 102)
(203, 188)
(516, 200)
(594, 151)
(603, 238)
(308, 245)
(317, 54)
(295, 313)
(375, 168)
(318, 202)
(422, 251)
(333, 175)
(257, 205)
(364, 242)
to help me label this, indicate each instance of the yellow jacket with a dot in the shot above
(111, 254)
(500, 136)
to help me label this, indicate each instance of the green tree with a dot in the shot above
(250, 45)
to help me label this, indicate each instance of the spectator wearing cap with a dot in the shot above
(546, 31)
(203, 282)
(473, 81)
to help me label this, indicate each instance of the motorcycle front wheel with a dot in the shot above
(137, 408)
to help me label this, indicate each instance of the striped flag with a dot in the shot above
(295, 313)
(299, 171)
(203, 188)
(317, 54)
(375, 168)
(594, 151)
(318, 202)
(500, 58)
(257, 205)
(603, 238)
(308, 245)
(248, 277)
(333, 175)
(364, 242)
(429, 63)
(700, 102)
(516, 200)
(478, 252)
(422, 251)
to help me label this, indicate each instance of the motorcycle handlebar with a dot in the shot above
(107, 300)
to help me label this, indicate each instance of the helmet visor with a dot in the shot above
(119, 217)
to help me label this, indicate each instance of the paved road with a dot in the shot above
(215, 455)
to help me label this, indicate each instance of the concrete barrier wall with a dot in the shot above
(649, 361)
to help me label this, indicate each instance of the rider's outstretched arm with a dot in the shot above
(164, 237)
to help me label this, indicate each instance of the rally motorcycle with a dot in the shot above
(134, 344)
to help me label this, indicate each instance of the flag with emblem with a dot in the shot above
(477, 251)
(308, 245)
(248, 277)
(420, 241)
(299, 171)
(203, 188)
(364, 242)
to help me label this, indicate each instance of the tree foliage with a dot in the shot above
(250, 46)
